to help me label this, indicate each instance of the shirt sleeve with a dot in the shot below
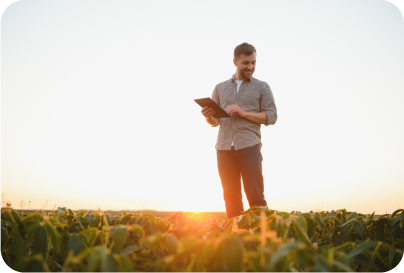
(215, 95)
(268, 105)
(216, 99)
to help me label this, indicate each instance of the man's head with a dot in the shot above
(244, 60)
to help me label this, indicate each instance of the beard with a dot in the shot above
(245, 75)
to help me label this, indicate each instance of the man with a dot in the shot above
(250, 103)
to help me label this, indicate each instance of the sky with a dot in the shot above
(97, 102)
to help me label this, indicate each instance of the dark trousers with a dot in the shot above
(245, 163)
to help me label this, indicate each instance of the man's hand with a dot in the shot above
(236, 109)
(259, 118)
(208, 112)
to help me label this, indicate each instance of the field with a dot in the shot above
(156, 213)
(259, 240)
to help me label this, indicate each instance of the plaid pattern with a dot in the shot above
(253, 96)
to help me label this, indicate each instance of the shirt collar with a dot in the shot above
(247, 80)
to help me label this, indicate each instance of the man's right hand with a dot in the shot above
(208, 112)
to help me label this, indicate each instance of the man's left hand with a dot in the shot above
(235, 109)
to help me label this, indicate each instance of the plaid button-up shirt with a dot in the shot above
(253, 96)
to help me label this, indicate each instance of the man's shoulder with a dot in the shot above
(259, 82)
(223, 83)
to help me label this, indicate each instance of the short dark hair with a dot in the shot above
(245, 49)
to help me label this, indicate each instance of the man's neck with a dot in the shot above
(238, 77)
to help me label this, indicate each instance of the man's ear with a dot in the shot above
(235, 62)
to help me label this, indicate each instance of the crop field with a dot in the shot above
(260, 239)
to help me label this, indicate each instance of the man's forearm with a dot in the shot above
(259, 118)
(212, 121)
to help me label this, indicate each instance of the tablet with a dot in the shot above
(220, 113)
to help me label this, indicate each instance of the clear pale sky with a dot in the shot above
(97, 102)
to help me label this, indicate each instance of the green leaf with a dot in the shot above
(364, 260)
(90, 219)
(92, 235)
(64, 250)
(152, 241)
(398, 219)
(75, 243)
(396, 212)
(130, 249)
(359, 228)
(228, 255)
(282, 252)
(21, 246)
(379, 227)
(54, 235)
(362, 248)
(394, 227)
(3, 241)
(398, 243)
(352, 220)
(109, 264)
(78, 220)
(95, 259)
(344, 247)
(321, 264)
(372, 216)
(205, 256)
(105, 221)
(33, 263)
(305, 215)
(338, 241)
(348, 230)
(161, 225)
(153, 228)
(352, 215)
(32, 217)
(300, 229)
(283, 214)
(171, 243)
(331, 214)
(40, 240)
(391, 257)
(127, 218)
(242, 221)
(311, 227)
(343, 211)
(149, 217)
(96, 220)
(62, 210)
(135, 220)
(343, 218)
(118, 237)
(125, 264)
(343, 266)
(55, 223)
(80, 213)
(320, 224)
(138, 230)
(19, 222)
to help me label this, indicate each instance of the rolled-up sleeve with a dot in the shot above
(268, 105)
(215, 96)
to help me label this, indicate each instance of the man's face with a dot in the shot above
(245, 65)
